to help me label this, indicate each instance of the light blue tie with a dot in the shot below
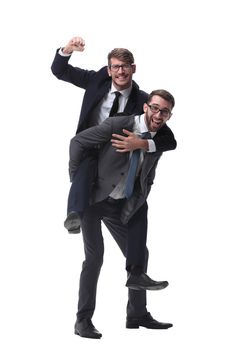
(129, 185)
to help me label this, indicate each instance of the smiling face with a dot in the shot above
(121, 76)
(157, 112)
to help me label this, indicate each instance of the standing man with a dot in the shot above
(98, 103)
(114, 198)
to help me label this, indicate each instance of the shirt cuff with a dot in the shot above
(151, 146)
(64, 54)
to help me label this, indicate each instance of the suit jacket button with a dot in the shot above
(122, 174)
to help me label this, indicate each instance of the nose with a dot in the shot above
(121, 69)
(158, 114)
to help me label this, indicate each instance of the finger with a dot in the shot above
(82, 43)
(119, 137)
(122, 150)
(118, 142)
(117, 145)
(78, 42)
(127, 132)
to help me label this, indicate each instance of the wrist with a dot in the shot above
(144, 145)
(67, 50)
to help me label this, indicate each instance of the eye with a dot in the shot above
(154, 108)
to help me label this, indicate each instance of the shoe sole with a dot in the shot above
(83, 336)
(136, 326)
(137, 287)
(74, 231)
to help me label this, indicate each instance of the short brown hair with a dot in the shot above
(121, 54)
(164, 94)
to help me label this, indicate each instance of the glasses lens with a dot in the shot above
(116, 67)
(154, 108)
(164, 112)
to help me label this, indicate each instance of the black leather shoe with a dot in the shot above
(144, 282)
(146, 321)
(86, 329)
(72, 222)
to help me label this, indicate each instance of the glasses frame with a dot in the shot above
(164, 113)
(124, 66)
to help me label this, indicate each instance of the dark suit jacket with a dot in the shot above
(96, 84)
(113, 165)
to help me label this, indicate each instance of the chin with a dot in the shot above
(123, 84)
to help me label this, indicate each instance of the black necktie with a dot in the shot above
(129, 185)
(115, 104)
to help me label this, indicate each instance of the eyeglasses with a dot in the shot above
(116, 67)
(164, 112)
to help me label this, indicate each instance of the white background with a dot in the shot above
(180, 45)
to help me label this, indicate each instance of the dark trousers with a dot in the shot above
(136, 237)
(129, 241)
(80, 190)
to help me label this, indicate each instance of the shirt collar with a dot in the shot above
(142, 125)
(125, 92)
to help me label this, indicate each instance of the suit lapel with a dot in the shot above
(131, 103)
(148, 163)
(102, 92)
(98, 96)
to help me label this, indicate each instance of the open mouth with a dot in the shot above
(155, 121)
(121, 78)
(155, 124)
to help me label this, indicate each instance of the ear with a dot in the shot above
(133, 68)
(168, 118)
(145, 107)
(109, 72)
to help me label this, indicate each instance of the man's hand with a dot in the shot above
(128, 143)
(75, 44)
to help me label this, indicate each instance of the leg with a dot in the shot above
(80, 190)
(137, 314)
(136, 242)
(94, 249)
(79, 194)
(136, 306)
(136, 253)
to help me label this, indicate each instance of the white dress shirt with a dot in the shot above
(102, 110)
(139, 128)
